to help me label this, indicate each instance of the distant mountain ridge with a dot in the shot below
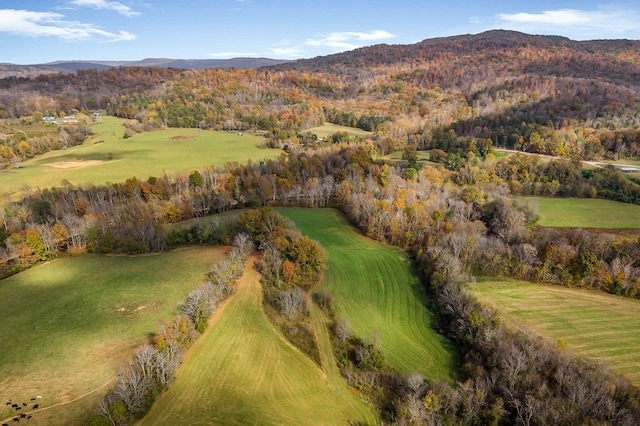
(380, 54)
(468, 44)
(12, 70)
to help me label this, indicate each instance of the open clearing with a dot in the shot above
(375, 288)
(592, 324)
(328, 129)
(69, 324)
(584, 212)
(115, 159)
(424, 158)
(242, 371)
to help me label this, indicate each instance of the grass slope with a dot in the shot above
(328, 129)
(68, 325)
(584, 212)
(592, 324)
(116, 159)
(242, 371)
(376, 289)
(424, 158)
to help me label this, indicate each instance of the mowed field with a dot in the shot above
(584, 212)
(328, 129)
(376, 289)
(592, 324)
(66, 326)
(116, 159)
(242, 371)
(424, 158)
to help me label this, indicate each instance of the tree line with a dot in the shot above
(470, 208)
(454, 223)
(291, 265)
(153, 366)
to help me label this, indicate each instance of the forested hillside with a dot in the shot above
(534, 93)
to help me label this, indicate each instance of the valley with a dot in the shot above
(401, 269)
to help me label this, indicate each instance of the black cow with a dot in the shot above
(23, 415)
(14, 405)
(28, 417)
(18, 408)
(24, 404)
(15, 419)
(35, 406)
(33, 399)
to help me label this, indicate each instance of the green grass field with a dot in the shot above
(424, 158)
(397, 156)
(242, 371)
(584, 212)
(499, 154)
(376, 289)
(116, 159)
(69, 324)
(328, 129)
(592, 324)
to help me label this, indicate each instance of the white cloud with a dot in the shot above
(107, 5)
(286, 52)
(232, 54)
(349, 39)
(603, 20)
(39, 24)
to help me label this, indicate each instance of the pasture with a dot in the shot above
(376, 289)
(243, 371)
(69, 324)
(592, 324)
(584, 212)
(328, 129)
(424, 158)
(109, 157)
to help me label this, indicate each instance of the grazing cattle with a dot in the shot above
(14, 405)
(39, 396)
(35, 406)
(23, 415)
(4, 424)
(24, 404)
(28, 417)
(18, 408)
(16, 419)
(33, 399)
(8, 402)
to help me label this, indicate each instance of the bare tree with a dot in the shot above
(415, 381)
(293, 302)
(145, 359)
(104, 409)
(342, 328)
(131, 388)
(167, 362)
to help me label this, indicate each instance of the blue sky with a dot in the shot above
(40, 31)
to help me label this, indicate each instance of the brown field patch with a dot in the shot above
(80, 164)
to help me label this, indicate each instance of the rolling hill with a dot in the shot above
(500, 85)
(14, 70)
